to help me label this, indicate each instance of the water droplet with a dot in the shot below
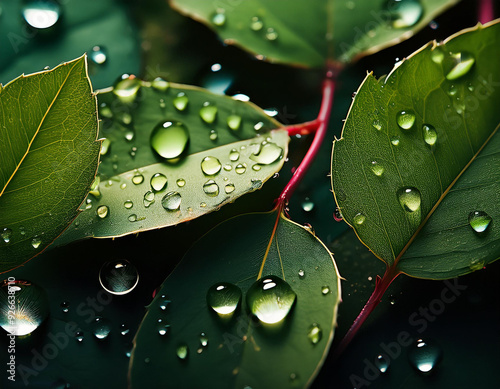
(203, 205)
(35, 242)
(258, 126)
(162, 327)
(203, 340)
(437, 55)
(479, 221)
(240, 168)
(234, 122)
(149, 198)
(41, 14)
(124, 330)
(307, 205)
(458, 64)
(79, 336)
(315, 333)
(377, 124)
(160, 84)
(377, 168)
(137, 178)
(406, 119)
(211, 188)
(210, 166)
(229, 188)
(325, 290)
(170, 139)
(106, 143)
(409, 198)
(424, 356)
(208, 112)
(163, 302)
(470, 87)
(256, 24)
(270, 299)
(404, 13)
(382, 363)
(430, 134)
(171, 201)
(395, 140)
(65, 306)
(180, 101)
(302, 273)
(213, 135)
(359, 218)
(129, 135)
(6, 234)
(98, 55)
(219, 17)
(256, 167)
(105, 111)
(271, 34)
(182, 351)
(234, 155)
(128, 204)
(452, 90)
(101, 328)
(126, 88)
(31, 307)
(118, 277)
(227, 167)
(102, 211)
(158, 182)
(180, 182)
(224, 298)
(268, 153)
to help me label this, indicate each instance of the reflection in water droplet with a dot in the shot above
(102, 211)
(256, 167)
(406, 119)
(234, 155)
(479, 221)
(160, 84)
(234, 122)
(256, 23)
(41, 14)
(219, 17)
(210, 166)
(118, 277)
(98, 55)
(180, 182)
(203, 340)
(302, 273)
(208, 113)
(269, 152)
(315, 333)
(182, 351)
(223, 298)
(271, 34)
(458, 64)
(325, 290)
(158, 182)
(149, 198)
(240, 168)
(409, 198)
(169, 139)
(171, 201)
(307, 205)
(424, 356)
(229, 188)
(23, 307)
(137, 178)
(65, 306)
(404, 13)
(258, 126)
(359, 218)
(382, 363)
(6, 234)
(377, 168)
(180, 101)
(211, 188)
(35, 242)
(430, 134)
(395, 140)
(126, 88)
(270, 299)
(101, 328)
(437, 55)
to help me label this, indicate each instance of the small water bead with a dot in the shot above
(133, 218)
(437, 55)
(162, 103)
(180, 182)
(219, 18)
(163, 302)
(211, 188)
(406, 119)
(210, 166)
(270, 299)
(160, 84)
(180, 101)
(430, 134)
(224, 298)
(268, 153)
(256, 167)
(377, 168)
(128, 204)
(162, 327)
(182, 351)
(302, 273)
(409, 198)
(229, 188)
(41, 14)
(169, 139)
(382, 363)
(98, 55)
(208, 113)
(22, 230)
(377, 124)
(6, 234)
(149, 198)
(124, 117)
(65, 306)
(240, 168)
(203, 205)
(258, 126)
(31, 307)
(124, 330)
(228, 167)
(234, 122)
(314, 333)
(452, 90)
(118, 277)
(479, 221)
(126, 88)
(105, 111)
(256, 24)
(307, 205)
(359, 218)
(133, 152)
(404, 13)
(101, 328)
(158, 182)
(137, 178)
(36, 242)
(271, 34)
(102, 211)
(171, 201)
(458, 64)
(129, 135)
(395, 140)
(105, 146)
(234, 155)
(213, 136)
(79, 336)
(424, 356)
(88, 204)
(203, 340)
(325, 290)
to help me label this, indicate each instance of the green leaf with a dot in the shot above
(126, 199)
(296, 32)
(408, 193)
(49, 157)
(241, 351)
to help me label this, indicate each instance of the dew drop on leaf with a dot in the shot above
(35, 242)
(180, 101)
(377, 124)
(307, 205)
(240, 168)
(271, 34)
(314, 333)
(405, 119)
(126, 88)
(458, 64)
(158, 182)
(382, 363)
(395, 140)
(409, 198)
(180, 182)
(404, 13)
(223, 298)
(163, 302)
(268, 153)
(219, 17)
(213, 135)
(229, 188)
(302, 273)
(234, 155)
(79, 336)
(171, 201)
(101, 328)
(118, 277)
(211, 188)
(102, 211)
(424, 356)
(160, 84)
(234, 122)
(256, 24)
(479, 221)
(162, 327)
(377, 168)
(325, 290)
(124, 330)
(64, 306)
(137, 178)
(99, 55)
(182, 351)
(208, 112)
(169, 139)
(149, 198)
(6, 234)
(105, 145)
(128, 204)
(430, 134)
(203, 340)
(210, 166)
(41, 14)
(359, 218)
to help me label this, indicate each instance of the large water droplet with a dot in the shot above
(404, 13)
(377, 168)
(98, 55)
(240, 168)
(160, 84)
(24, 312)
(101, 328)
(41, 14)
(211, 188)
(126, 88)
(219, 17)
(223, 298)
(458, 64)
(430, 134)
(314, 333)
(234, 122)
(118, 277)
(479, 221)
(158, 182)
(180, 101)
(182, 351)
(208, 113)
(270, 299)
(105, 145)
(102, 211)
(424, 356)
(269, 152)
(359, 218)
(406, 119)
(6, 234)
(210, 166)
(171, 201)
(234, 155)
(170, 139)
(256, 23)
(409, 198)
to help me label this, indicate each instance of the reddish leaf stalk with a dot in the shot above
(485, 11)
(380, 288)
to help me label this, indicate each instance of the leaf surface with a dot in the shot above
(49, 157)
(409, 193)
(241, 350)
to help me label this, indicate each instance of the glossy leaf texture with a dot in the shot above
(184, 342)
(295, 32)
(172, 153)
(49, 157)
(416, 170)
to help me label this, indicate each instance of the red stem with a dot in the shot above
(486, 11)
(303, 128)
(380, 288)
(321, 123)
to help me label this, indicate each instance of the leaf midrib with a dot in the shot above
(37, 130)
